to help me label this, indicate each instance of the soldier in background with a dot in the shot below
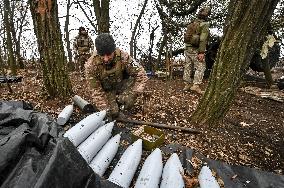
(195, 39)
(114, 78)
(83, 47)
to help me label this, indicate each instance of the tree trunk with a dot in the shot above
(21, 25)
(17, 44)
(132, 41)
(161, 49)
(11, 59)
(101, 9)
(67, 37)
(50, 45)
(245, 25)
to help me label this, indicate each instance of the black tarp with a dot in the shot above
(33, 153)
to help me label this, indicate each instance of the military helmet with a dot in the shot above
(105, 44)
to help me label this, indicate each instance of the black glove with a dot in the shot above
(126, 100)
(113, 112)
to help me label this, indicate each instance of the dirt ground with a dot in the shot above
(251, 134)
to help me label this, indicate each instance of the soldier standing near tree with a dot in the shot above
(83, 47)
(114, 78)
(195, 39)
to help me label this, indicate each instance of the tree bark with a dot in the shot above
(11, 59)
(101, 8)
(245, 25)
(67, 37)
(50, 45)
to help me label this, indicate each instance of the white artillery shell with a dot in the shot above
(90, 147)
(151, 171)
(102, 123)
(102, 160)
(65, 114)
(85, 127)
(206, 178)
(125, 169)
(172, 173)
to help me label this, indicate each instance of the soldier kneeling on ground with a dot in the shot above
(114, 78)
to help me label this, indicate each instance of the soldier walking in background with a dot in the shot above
(114, 78)
(195, 39)
(83, 47)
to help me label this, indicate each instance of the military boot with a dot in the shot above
(187, 87)
(196, 88)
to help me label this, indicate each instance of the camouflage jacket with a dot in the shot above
(200, 35)
(83, 44)
(102, 79)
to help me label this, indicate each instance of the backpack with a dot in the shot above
(191, 36)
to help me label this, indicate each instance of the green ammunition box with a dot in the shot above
(151, 137)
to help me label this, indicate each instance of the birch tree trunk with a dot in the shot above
(245, 25)
(50, 45)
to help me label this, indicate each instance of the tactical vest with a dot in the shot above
(112, 75)
(83, 43)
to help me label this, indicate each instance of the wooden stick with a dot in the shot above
(158, 125)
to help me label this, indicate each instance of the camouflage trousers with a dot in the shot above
(80, 61)
(193, 69)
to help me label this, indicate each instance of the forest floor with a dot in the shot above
(251, 134)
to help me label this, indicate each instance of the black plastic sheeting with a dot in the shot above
(33, 153)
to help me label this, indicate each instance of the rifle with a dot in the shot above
(10, 79)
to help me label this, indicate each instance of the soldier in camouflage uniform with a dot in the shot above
(196, 38)
(83, 47)
(114, 78)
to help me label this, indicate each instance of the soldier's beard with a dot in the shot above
(109, 64)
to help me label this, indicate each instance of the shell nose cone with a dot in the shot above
(109, 126)
(137, 143)
(206, 178)
(117, 137)
(102, 113)
(157, 151)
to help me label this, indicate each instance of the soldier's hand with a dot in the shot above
(201, 57)
(112, 113)
(127, 100)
